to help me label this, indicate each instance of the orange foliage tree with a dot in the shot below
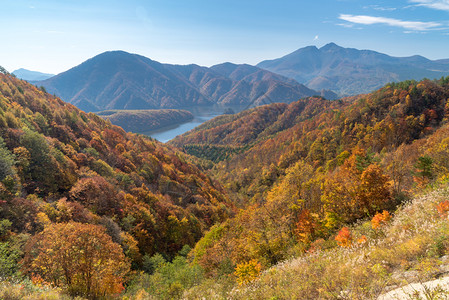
(380, 219)
(374, 189)
(344, 237)
(96, 194)
(357, 189)
(443, 208)
(79, 257)
(306, 227)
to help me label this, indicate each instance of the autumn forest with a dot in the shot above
(89, 210)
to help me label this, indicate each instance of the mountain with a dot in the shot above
(120, 80)
(31, 75)
(348, 71)
(254, 149)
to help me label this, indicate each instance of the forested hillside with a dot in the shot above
(146, 120)
(70, 180)
(311, 167)
(94, 210)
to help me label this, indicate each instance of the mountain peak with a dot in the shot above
(114, 54)
(306, 49)
(330, 47)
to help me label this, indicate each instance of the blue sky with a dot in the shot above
(54, 35)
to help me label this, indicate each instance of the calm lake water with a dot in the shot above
(201, 115)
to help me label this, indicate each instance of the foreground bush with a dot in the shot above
(25, 290)
(165, 280)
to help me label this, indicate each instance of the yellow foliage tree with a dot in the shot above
(79, 257)
(247, 271)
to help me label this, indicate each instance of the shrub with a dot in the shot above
(380, 219)
(443, 208)
(247, 271)
(344, 237)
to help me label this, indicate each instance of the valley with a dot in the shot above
(247, 190)
(224, 150)
(200, 115)
(128, 178)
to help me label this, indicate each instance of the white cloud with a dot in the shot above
(435, 4)
(315, 38)
(370, 20)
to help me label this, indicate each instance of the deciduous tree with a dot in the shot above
(79, 257)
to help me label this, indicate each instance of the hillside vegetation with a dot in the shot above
(70, 180)
(146, 120)
(324, 196)
(365, 261)
(330, 163)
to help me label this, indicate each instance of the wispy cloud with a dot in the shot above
(370, 20)
(435, 4)
(381, 8)
(347, 25)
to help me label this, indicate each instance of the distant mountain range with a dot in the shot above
(348, 71)
(31, 75)
(120, 80)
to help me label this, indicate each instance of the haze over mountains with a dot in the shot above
(31, 75)
(348, 71)
(119, 80)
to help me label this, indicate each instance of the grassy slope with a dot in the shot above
(27, 291)
(410, 248)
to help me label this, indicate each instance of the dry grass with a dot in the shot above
(411, 248)
(25, 290)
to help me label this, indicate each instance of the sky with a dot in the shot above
(52, 36)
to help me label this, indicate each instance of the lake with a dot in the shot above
(201, 115)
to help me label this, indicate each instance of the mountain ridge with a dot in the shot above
(349, 71)
(120, 80)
